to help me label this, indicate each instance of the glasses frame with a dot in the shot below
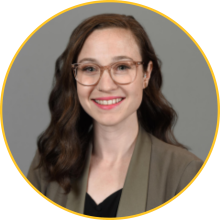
(103, 68)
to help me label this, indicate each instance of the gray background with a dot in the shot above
(188, 82)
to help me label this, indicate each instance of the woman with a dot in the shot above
(109, 150)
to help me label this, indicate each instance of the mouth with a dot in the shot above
(108, 103)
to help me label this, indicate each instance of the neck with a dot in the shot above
(114, 143)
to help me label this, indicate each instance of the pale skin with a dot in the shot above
(115, 130)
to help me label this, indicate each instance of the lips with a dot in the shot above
(108, 102)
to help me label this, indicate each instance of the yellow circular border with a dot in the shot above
(95, 2)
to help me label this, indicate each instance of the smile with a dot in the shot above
(108, 102)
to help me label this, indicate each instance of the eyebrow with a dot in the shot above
(113, 59)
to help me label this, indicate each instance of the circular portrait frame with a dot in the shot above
(130, 3)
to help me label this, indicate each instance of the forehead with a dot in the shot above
(105, 44)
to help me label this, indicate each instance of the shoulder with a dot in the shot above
(175, 165)
(38, 178)
(171, 169)
(167, 153)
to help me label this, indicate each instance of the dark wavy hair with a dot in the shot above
(63, 146)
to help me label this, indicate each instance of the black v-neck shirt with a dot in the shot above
(107, 208)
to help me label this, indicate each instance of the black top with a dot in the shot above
(107, 208)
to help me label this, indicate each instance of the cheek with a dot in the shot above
(83, 95)
(138, 93)
(80, 93)
(138, 90)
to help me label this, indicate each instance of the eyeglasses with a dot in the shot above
(122, 72)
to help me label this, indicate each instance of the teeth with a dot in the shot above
(108, 102)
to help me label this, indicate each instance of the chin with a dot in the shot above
(110, 121)
(107, 122)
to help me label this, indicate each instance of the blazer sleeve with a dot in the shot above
(37, 176)
(189, 173)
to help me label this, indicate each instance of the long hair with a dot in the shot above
(63, 146)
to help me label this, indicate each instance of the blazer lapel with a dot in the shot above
(134, 194)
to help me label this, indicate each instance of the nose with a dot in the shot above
(106, 83)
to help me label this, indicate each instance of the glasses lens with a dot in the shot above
(124, 72)
(87, 74)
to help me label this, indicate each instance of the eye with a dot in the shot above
(123, 67)
(89, 69)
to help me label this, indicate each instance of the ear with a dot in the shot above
(147, 74)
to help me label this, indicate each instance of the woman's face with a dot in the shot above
(105, 47)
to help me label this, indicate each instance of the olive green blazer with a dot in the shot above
(157, 172)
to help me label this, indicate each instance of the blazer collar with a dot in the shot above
(134, 194)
